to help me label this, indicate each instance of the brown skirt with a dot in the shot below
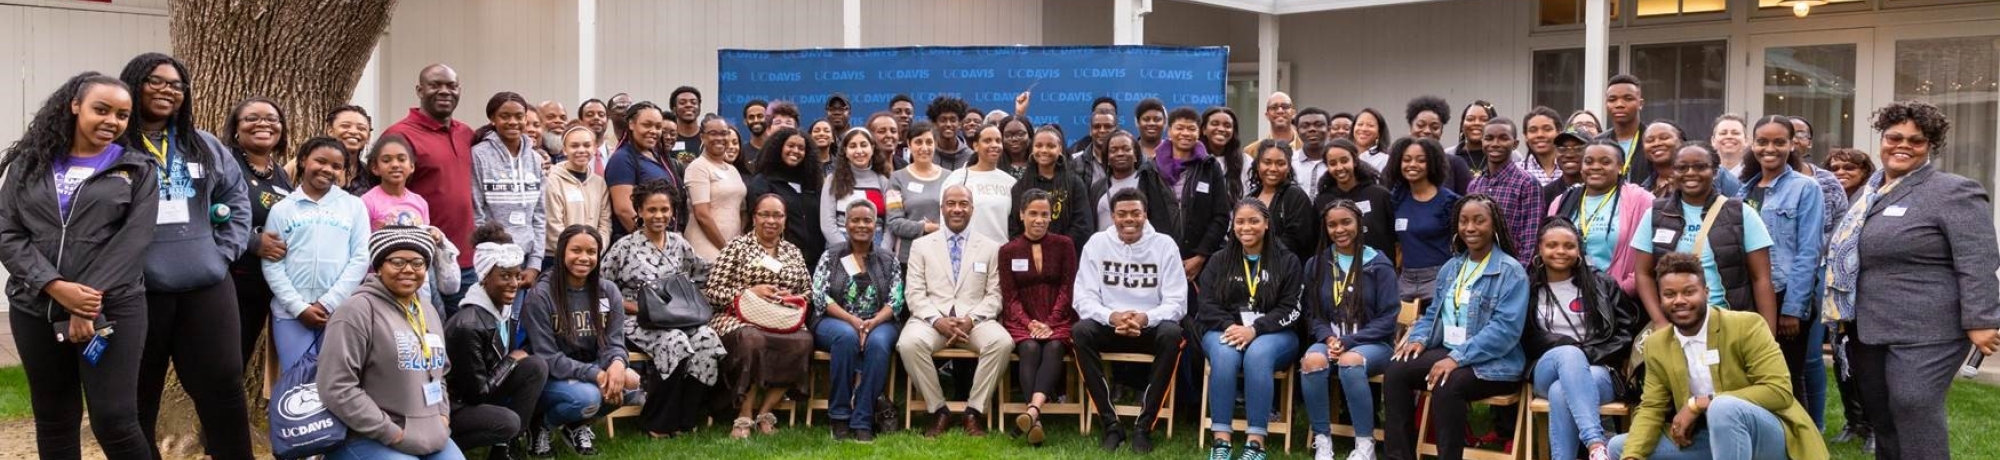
(763, 359)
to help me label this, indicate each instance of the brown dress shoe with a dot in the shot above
(973, 427)
(940, 422)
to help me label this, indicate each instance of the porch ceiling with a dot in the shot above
(1283, 7)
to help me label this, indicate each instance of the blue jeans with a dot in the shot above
(568, 401)
(856, 406)
(1574, 389)
(1812, 390)
(1353, 388)
(1737, 429)
(1256, 363)
(467, 281)
(360, 448)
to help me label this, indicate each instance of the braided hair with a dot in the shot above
(1502, 241)
(1348, 305)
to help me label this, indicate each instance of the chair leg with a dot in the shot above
(1204, 405)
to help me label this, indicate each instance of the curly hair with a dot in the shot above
(1436, 171)
(491, 232)
(1433, 104)
(53, 127)
(649, 188)
(1851, 156)
(1929, 118)
(1681, 263)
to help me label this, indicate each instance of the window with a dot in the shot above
(1761, 4)
(1815, 82)
(1558, 80)
(1655, 8)
(1771, 8)
(1958, 75)
(1683, 82)
(1569, 12)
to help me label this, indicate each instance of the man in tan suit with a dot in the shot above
(952, 287)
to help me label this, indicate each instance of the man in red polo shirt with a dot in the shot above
(444, 164)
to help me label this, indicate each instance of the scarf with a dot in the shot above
(1843, 260)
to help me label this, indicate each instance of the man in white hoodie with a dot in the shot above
(1130, 297)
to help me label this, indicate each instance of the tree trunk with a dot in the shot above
(305, 54)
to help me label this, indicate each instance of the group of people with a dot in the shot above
(483, 288)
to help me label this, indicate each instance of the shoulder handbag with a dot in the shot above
(786, 315)
(672, 303)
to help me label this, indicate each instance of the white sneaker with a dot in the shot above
(1364, 449)
(1322, 446)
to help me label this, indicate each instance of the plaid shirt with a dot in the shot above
(1521, 206)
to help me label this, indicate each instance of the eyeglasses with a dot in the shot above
(771, 215)
(255, 119)
(162, 84)
(1894, 139)
(401, 263)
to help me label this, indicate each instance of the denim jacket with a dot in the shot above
(1794, 210)
(1495, 314)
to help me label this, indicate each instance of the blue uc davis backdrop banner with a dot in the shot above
(1065, 79)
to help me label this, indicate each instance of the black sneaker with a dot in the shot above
(1113, 436)
(842, 432)
(1219, 451)
(539, 445)
(1252, 451)
(501, 452)
(581, 439)
(1142, 441)
(864, 436)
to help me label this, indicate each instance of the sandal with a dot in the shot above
(1030, 424)
(767, 423)
(740, 429)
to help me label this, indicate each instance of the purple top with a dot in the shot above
(1170, 169)
(69, 173)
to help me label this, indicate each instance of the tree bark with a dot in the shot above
(305, 54)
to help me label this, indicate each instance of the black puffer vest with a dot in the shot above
(1725, 243)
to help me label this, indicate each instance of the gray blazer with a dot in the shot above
(1927, 275)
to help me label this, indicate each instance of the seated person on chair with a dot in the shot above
(1467, 344)
(1035, 291)
(484, 339)
(1249, 304)
(1579, 336)
(1130, 297)
(1717, 385)
(1351, 307)
(953, 291)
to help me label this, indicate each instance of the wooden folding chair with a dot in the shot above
(1281, 425)
(1166, 413)
(624, 411)
(1404, 318)
(1537, 438)
(1073, 383)
(817, 400)
(1426, 447)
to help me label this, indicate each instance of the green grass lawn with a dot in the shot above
(1970, 438)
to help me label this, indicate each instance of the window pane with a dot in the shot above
(1658, 7)
(1561, 12)
(1704, 6)
(1958, 75)
(1774, 3)
(1815, 82)
(1558, 80)
(1683, 82)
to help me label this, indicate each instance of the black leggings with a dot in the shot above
(1449, 404)
(1163, 341)
(59, 381)
(492, 423)
(1041, 365)
(253, 302)
(197, 331)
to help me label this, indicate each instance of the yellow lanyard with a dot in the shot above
(159, 152)
(1250, 281)
(1630, 147)
(1589, 216)
(1463, 287)
(422, 327)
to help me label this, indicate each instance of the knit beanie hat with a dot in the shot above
(397, 238)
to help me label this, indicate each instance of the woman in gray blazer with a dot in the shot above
(1913, 265)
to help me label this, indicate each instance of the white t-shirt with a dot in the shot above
(1563, 311)
(992, 200)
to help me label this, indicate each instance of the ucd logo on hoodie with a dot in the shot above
(1126, 275)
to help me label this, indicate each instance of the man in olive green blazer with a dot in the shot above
(1716, 383)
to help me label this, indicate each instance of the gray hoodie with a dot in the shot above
(373, 375)
(196, 253)
(507, 188)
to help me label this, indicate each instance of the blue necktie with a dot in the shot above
(957, 249)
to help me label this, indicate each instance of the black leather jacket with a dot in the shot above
(1612, 322)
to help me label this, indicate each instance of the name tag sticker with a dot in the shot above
(517, 219)
(916, 187)
(1711, 357)
(771, 263)
(1249, 317)
(1402, 225)
(849, 264)
(573, 196)
(1201, 187)
(194, 170)
(680, 146)
(433, 393)
(1663, 236)
(979, 267)
(1454, 335)
(1365, 207)
(172, 212)
(1020, 265)
(1896, 211)
(434, 340)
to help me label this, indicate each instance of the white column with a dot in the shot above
(850, 23)
(1267, 64)
(586, 50)
(1596, 41)
(1128, 21)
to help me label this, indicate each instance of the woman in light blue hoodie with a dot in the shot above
(327, 231)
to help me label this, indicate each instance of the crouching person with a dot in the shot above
(382, 363)
(494, 382)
